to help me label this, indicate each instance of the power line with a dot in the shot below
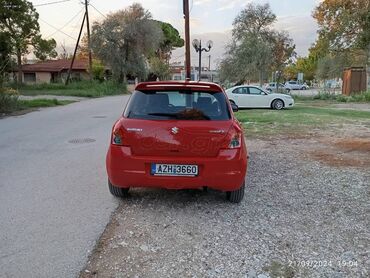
(51, 3)
(69, 21)
(98, 10)
(57, 29)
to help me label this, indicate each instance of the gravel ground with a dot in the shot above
(300, 217)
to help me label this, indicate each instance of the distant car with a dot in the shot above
(254, 97)
(295, 85)
(272, 86)
(178, 135)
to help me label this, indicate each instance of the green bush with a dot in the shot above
(342, 98)
(325, 96)
(98, 70)
(8, 100)
(361, 97)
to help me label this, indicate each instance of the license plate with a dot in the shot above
(174, 170)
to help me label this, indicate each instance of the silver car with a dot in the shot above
(273, 87)
(295, 85)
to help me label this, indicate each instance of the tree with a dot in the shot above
(256, 48)
(159, 61)
(344, 22)
(83, 48)
(159, 68)
(306, 65)
(344, 36)
(44, 49)
(5, 52)
(171, 40)
(246, 60)
(282, 52)
(254, 19)
(19, 20)
(290, 72)
(98, 70)
(125, 39)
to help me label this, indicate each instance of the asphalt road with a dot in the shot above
(54, 201)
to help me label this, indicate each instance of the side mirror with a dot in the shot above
(234, 107)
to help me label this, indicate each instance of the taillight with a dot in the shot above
(236, 141)
(117, 139)
(236, 138)
(117, 135)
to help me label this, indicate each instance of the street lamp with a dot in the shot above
(197, 44)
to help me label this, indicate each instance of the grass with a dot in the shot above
(79, 89)
(10, 102)
(298, 120)
(37, 103)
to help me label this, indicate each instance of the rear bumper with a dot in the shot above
(225, 172)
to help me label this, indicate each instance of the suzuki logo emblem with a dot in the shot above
(175, 130)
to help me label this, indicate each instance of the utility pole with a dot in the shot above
(75, 52)
(88, 37)
(187, 40)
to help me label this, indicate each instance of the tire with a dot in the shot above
(277, 104)
(231, 101)
(237, 195)
(303, 88)
(117, 191)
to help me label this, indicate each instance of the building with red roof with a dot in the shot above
(54, 71)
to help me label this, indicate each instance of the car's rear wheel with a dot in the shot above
(277, 104)
(117, 191)
(237, 195)
(303, 88)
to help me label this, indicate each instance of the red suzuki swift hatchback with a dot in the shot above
(178, 135)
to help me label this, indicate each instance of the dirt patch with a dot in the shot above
(351, 145)
(343, 152)
(99, 251)
(338, 160)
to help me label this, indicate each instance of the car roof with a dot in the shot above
(179, 85)
(241, 86)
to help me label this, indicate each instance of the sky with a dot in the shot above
(210, 20)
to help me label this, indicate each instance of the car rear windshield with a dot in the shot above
(177, 105)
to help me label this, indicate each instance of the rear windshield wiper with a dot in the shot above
(172, 115)
(182, 116)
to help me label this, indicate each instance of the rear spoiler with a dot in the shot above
(187, 86)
